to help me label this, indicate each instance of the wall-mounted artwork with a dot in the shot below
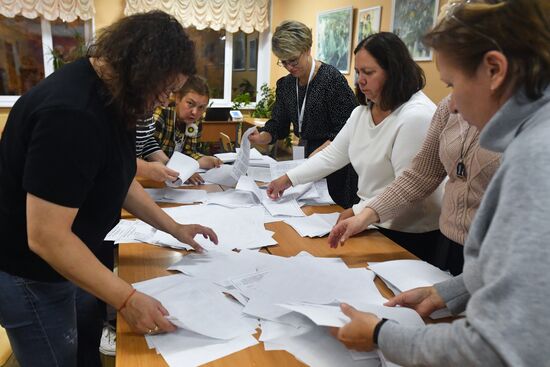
(252, 51)
(334, 38)
(368, 22)
(411, 19)
(239, 51)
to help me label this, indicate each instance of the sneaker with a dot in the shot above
(107, 345)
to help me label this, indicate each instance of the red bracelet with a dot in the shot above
(126, 300)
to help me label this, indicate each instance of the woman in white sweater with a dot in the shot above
(380, 139)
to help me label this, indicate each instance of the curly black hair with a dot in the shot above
(146, 52)
(404, 76)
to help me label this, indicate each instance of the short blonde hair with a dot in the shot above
(291, 38)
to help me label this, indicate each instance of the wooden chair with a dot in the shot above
(225, 143)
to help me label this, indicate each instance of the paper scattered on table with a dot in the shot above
(284, 206)
(184, 165)
(315, 225)
(181, 196)
(222, 175)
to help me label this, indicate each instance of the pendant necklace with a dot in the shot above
(460, 166)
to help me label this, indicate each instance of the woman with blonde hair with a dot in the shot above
(496, 57)
(316, 98)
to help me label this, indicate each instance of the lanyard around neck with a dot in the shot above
(301, 110)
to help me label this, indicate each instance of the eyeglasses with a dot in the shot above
(292, 63)
(451, 11)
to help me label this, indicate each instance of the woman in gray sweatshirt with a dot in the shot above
(496, 57)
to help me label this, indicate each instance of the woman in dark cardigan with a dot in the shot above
(316, 99)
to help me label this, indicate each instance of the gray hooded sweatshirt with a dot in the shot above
(505, 286)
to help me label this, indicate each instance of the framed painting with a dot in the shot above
(411, 19)
(334, 28)
(368, 22)
(239, 51)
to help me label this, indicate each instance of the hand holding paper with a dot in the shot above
(184, 165)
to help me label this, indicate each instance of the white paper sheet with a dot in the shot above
(222, 175)
(182, 196)
(409, 274)
(184, 348)
(184, 165)
(232, 199)
(259, 174)
(240, 166)
(315, 225)
(284, 206)
(331, 315)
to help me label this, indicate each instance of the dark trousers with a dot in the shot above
(432, 247)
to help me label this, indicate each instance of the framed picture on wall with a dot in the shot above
(252, 51)
(368, 22)
(411, 19)
(239, 51)
(334, 28)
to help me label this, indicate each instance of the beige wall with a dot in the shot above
(306, 12)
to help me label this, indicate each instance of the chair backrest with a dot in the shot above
(225, 142)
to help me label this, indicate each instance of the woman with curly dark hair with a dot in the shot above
(67, 166)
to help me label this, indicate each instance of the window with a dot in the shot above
(30, 47)
(233, 63)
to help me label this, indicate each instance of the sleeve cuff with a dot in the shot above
(454, 293)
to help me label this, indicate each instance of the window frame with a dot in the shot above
(263, 68)
(7, 101)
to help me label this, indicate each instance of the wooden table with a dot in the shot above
(137, 262)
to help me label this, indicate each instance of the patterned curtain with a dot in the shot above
(66, 10)
(231, 15)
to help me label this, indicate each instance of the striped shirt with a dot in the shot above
(146, 143)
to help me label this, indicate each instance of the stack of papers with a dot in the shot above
(292, 300)
(211, 325)
(251, 233)
(403, 275)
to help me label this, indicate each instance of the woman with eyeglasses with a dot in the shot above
(316, 98)
(496, 57)
(380, 139)
(67, 167)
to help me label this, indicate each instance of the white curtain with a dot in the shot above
(231, 15)
(66, 10)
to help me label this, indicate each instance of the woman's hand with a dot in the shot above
(423, 300)
(277, 187)
(186, 233)
(257, 137)
(195, 179)
(157, 171)
(358, 333)
(208, 162)
(146, 315)
(347, 227)
(348, 213)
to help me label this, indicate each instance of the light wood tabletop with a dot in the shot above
(137, 262)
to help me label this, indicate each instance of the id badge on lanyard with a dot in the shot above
(302, 110)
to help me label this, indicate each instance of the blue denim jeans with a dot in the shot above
(50, 324)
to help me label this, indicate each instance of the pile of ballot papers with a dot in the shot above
(223, 298)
